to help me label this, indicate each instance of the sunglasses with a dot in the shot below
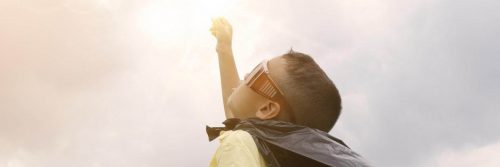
(260, 81)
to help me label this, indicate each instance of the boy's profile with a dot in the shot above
(279, 114)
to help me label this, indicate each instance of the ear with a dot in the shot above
(268, 110)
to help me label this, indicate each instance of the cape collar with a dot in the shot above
(280, 141)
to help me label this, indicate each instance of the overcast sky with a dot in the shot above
(98, 83)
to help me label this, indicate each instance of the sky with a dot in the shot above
(98, 83)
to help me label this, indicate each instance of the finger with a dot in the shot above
(214, 22)
(217, 23)
(224, 20)
(226, 23)
(220, 21)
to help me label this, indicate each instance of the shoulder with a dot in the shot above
(234, 135)
(235, 138)
(237, 148)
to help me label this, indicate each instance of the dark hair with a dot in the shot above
(313, 97)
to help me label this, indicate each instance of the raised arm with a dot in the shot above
(223, 31)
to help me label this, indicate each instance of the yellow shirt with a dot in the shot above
(237, 149)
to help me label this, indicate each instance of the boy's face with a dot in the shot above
(244, 102)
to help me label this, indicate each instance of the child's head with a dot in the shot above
(296, 89)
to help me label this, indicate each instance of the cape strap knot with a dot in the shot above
(214, 132)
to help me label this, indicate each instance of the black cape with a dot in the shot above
(283, 144)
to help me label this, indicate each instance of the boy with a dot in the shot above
(279, 115)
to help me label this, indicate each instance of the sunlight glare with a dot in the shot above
(214, 8)
(172, 21)
(161, 22)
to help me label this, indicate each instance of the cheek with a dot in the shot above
(239, 103)
(235, 104)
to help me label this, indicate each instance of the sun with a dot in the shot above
(159, 21)
(170, 20)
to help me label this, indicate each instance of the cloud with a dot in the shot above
(83, 84)
(486, 156)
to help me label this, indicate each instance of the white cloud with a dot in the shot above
(483, 156)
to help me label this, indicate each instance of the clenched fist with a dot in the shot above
(222, 30)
